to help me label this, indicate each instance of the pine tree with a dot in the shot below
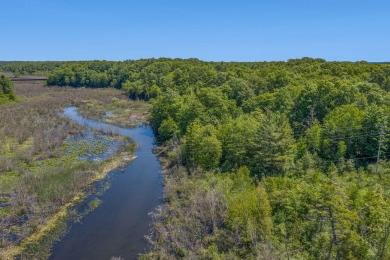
(274, 146)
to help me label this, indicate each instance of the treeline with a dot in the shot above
(164, 73)
(306, 131)
(7, 92)
(29, 68)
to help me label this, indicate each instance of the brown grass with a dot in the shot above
(32, 130)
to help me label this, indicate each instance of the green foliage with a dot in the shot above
(218, 107)
(309, 92)
(54, 186)
(201, 146)
(168, 129)
(328, 208)
(6, 90)
(273, 146)
(37, 68)
(249, 209)
(343, 123)
(16, 74)
(237, 137)
(308, 131)
(165, 106)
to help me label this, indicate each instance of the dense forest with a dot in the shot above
(268, 160)
(30, 68)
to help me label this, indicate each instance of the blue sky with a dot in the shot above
(208, 30)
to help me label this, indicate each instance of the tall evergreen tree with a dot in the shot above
(273, 146)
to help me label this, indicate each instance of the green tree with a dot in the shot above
(201, 146)
(191, 110)
(250, 213)
(375, 120)
(236, 137)
(6, 90)
(168, 129)
(273, 146)
(344, 123)
(219, 107)
(239, 90)
(166, 105)
(314, 137)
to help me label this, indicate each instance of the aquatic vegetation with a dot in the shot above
(46, 162)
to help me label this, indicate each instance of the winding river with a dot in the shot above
(118, 226)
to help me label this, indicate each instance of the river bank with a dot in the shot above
(47, 162)
(39, 243)
(118, 226)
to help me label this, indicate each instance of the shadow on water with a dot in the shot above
(118, 226)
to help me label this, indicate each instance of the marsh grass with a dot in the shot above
(118, 111)
(92, 205)
(41, 171)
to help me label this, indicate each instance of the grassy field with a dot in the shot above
(42, 172)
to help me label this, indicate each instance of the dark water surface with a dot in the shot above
(118, 226)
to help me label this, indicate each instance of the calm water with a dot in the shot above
(118, 226)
